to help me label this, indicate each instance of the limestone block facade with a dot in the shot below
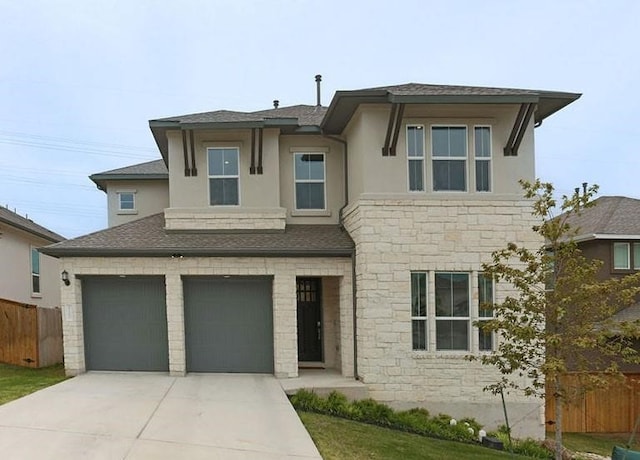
(394, 238)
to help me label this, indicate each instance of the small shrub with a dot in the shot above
(338, 405)
(307, 401)
(371, 411)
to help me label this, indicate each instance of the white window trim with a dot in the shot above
(424, 318)
(628, 246)
(489, 158)
(435, 158)
(310, 181)
(32, 274)
(226, 176)
(415, 158)
(135, 202)
(456, 318)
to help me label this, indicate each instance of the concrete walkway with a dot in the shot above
(137, 416)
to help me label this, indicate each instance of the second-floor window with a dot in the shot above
(309, 174)
(415, 157)
(35, 271)
(482, 151)
(626, 256)
(224, 178)
(449, 154)
(126, 201)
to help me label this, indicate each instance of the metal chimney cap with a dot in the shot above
(276, 103)
(318, 78)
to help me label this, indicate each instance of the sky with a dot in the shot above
(79, 79)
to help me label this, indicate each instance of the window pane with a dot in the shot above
(216, 162)
(449, 175)
(485, 296)
(310, 195)
(452, 335)
(416, 176)
(485, 340)
(482, 175)
(223, 191)
(126, 201)
(452, 294)
(440, 141)
(636, 256)
(458, 142)
(415, 141)
(230, 162)
(35, 283)
(621, 256)
(419, 334)
(418, 294)
(482, 142)
(309, 166)
(35, 261)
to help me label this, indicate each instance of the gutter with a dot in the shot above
(353, 254)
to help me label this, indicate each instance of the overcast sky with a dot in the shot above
(80, 79)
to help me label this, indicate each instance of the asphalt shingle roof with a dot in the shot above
(611, 215)
(150, 167)
(147, 237)
(15, 220)
(420, 89)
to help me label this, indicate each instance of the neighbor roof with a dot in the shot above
(150, 170)
(148, 237)
(610, 217)
(15, 220)
(345, 103)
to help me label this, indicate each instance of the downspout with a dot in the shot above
(353, 254)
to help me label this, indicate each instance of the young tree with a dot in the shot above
(559, 316)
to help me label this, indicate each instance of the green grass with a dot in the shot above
(338, 438)
(16, 381)
(597, 443)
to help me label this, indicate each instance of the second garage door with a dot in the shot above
(228, 324)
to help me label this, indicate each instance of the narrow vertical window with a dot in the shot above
(35, 271)
(452, 311)
(310, 180)
(449, 152)
(621, 256)
(415, 157)
(636, 256)
(485, 311)
(419, 310)
(482, 140)
(224, 178)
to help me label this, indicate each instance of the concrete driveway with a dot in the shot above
(138, 416)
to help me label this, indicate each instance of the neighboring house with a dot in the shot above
(348, 237)
(26, 276)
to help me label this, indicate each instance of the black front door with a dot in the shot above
(309, 319)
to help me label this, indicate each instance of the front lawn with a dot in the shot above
(337, 438)
(16, 381)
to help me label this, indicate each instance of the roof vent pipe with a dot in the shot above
(318, 80)
(276, 103)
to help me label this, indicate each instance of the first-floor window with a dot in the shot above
(224, 176)
(419, 310)
(452, 311)
(309, 178)
(35, 271)
(485, 311)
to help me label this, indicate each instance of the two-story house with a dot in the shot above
(26, 276)
(347, 237)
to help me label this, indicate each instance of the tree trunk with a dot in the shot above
(557, 394)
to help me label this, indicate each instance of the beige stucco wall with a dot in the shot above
(372, 173)
(15, 269)
(334, 178)
(283, 270)
(151, 197)
(394, 238)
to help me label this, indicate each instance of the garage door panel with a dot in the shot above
(228, 324)
(125, 323)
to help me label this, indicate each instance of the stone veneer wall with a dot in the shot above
(225, 218)
(394, 238)
(283, 270)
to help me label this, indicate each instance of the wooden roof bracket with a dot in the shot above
(396, 131)
(252, 168)
(387, 139)
(194, 170)
(519, 128)
(260, 151)
(187, 168)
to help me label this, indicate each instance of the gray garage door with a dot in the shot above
(228, 324)
(125, 323)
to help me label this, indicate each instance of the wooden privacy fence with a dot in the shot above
(610, 410)
(30, 336)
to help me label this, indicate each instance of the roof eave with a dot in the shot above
(181, 252)
(24, 228)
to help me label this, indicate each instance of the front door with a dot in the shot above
(309, 319)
